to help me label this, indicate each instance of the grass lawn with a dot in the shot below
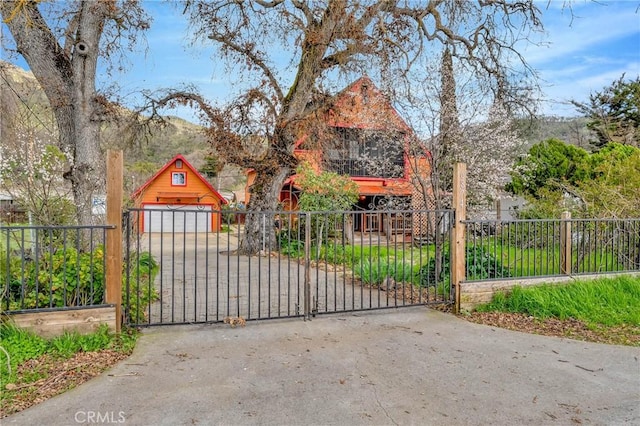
(18, 238)
(608, 308)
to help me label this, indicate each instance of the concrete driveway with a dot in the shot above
(393, 367)
(201, 280)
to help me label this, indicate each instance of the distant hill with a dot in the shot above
(23, 101)
(572, 130)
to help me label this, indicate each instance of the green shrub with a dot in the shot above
(228, 215)
(20, 345)
(143, 269)
(60, 277)
(66, 277)
(289, 245)
(480, 265)
(376, 272)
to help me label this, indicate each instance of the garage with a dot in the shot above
(178, 199)
(178, 218)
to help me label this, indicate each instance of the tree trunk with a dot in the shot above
(259, 229)
(67, 76)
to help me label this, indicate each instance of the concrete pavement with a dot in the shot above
(402, 367)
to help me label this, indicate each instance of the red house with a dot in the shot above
(364, 137)
(178, 199)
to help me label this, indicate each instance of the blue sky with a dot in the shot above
(586, 51)
(581, 51)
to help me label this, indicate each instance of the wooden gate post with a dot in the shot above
(457, 238)
(565, 243)
(113, 275)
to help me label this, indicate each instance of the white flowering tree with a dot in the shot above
(489, 150)
(464, 120)
(31, 171)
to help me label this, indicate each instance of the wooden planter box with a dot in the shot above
(49, 323)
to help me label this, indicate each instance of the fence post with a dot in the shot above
(565, 243)
(113, 275)
(457, 238)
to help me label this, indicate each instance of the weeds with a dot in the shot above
(21, 345)
(139, 289)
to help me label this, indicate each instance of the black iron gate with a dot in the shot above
(307, 264)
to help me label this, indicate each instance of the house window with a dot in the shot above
(178, 179)
(178, 164)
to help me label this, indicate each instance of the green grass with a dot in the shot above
(531, 261)
(350, 254)
(600, 302)
(20, 345)
(18, 238)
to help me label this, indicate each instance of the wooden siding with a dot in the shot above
(362, 105)
(160, 190)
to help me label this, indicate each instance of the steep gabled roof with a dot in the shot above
(360, 105)
(363, 105)
(186, 164)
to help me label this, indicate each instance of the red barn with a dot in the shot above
(178, 199)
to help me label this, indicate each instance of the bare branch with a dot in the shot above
(272, 3)
(248, 51)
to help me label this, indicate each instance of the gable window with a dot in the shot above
(178, 179)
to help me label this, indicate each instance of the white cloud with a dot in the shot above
(597, 24)
(587, 51)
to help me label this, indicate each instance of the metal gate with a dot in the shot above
(306, 264)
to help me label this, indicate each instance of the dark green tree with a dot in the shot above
(556, 176)
(212, 166)
(614, 113)
(549, 165)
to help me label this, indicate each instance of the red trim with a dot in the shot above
(300, 142)
(179, 184)
(188, 166)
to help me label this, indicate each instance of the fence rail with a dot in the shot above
(173, 276)
(550, 247)
(308, 263)
(45, 267)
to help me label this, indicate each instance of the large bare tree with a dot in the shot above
(62, 42)
(285, 52)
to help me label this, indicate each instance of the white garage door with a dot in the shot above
(177, 218)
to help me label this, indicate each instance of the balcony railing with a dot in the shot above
(356, 168)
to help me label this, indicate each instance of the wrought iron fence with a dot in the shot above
(604, 245)
(550, 247)
(303, 264)
(44, 267)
